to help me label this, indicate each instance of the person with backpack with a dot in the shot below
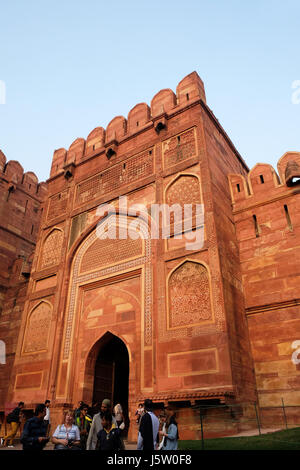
(13, 419)
(83, 422)
(78, 409)
(34, 432)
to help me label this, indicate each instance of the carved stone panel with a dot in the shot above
(134, 168)
(51, 251)
(109, 252)
(57, 205)
(179, 148)
(184, 190)
(37, 329)
(189, 295)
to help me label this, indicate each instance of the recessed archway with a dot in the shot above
(107, 372)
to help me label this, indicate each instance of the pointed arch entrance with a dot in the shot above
(110, 289)
(107, 371)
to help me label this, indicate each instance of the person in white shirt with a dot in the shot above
(67, 434)
(163, 420)
(118, 413)
(47, 416)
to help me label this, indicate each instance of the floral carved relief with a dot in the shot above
(189, 295)
(51, 252)
(36, 334)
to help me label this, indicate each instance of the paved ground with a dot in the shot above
(132, 445)
(49, 446)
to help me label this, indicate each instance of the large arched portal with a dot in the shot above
(107, 372)
(110, 294)
(111, 374)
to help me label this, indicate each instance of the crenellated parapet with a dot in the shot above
(12, 174)
(266, 214)
(289, 168)
(263, 183)
(95, 141)
(21, 198)
(140, 117)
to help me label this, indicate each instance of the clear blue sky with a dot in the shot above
(70, 66)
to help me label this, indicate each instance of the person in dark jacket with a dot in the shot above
(14, 420)
(83, 422)
(109, 436)
(78, 409)
(148, 431)
(34, 433)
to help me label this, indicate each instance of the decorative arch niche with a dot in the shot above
(51, 251)
(37, 328)
(184, 189)
(189, 295)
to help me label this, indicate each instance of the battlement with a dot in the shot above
(263, 183)
(21, 197)
(13, 173)
(139, 118)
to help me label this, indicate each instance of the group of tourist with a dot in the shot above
(158, 428)
(34, 435)
(155, 433)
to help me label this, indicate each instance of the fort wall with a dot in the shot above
(266, 209)
(21, 196)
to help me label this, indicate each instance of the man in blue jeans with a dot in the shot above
(34, 433)
(13, 419)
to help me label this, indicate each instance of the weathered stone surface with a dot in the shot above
(21, 197)
(269, 256)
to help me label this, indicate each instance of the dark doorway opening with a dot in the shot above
(112, 373)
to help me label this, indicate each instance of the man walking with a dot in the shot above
(97, 424)
(13, 419)
(149, 426)
(34, 433)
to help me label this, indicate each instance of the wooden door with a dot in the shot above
(104, 381)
